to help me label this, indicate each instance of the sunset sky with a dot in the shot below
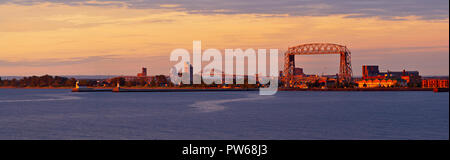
(62, 37)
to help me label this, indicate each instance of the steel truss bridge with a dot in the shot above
(345, 67)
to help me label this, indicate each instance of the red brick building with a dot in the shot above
(434, 83)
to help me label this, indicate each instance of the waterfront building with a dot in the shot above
(435, 83)
(189, 70)
(372, 72)
(144, 73)
(298, 72)
(139, 77)
(377, 83)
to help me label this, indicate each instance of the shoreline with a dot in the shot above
(36, 87)
(357, 89)
(190, 89)
(243, 89)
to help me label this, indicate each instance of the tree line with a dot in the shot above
(57, 81)
(42, 81)
(157, 81)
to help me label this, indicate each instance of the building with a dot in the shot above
(377, 83)
(372, 72)
(434, 83)
(144, 73)
(140, 76)
(298, 72)
(188, 69)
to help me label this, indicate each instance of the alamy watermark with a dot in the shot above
(214, 72)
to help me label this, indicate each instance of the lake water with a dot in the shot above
(60, 114)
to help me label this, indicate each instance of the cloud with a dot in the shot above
(404, 50)
(385, 9)
(57, 62)
(169, 5)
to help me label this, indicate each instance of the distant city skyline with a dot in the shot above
(60, 37)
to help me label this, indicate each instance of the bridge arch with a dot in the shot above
(345, 67)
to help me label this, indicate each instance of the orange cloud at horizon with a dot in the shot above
(93, 39)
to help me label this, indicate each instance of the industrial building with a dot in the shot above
(144, 73)
(372, 78)
(298, 72)
(373, 72)
(435, 83)
(377, 83)
(140, 76)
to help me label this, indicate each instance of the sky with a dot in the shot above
(62, 37)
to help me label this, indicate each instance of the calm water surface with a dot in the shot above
(60, 114)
